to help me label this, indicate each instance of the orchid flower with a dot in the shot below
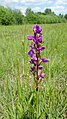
(35, 56)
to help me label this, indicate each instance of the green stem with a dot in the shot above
(36, 104)
(37, 77)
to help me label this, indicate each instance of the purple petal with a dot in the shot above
(31, 53)
(42, 75)
(31, 61)
(37, 49)
(30, 37)
(32, 47)
(36, 41)
(40, 67)
(45, 60)
(32, 69)
(37, 29)
(39, 39)
(34, 57)
(42, 48)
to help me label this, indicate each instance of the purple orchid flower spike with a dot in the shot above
(34, 53)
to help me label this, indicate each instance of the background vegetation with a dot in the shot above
(17, 87)
(10, 17)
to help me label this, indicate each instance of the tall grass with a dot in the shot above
(17, 87)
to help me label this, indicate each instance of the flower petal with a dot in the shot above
(42, 75)
(31, 61)
(31, 53)
(37, 29)
(32, 47)
(34, 57)
(32, 69)
(42, 48)
(40, 67)
(40, 39)
(30, 37)
(44, 60)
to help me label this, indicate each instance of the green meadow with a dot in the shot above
(17, 86)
